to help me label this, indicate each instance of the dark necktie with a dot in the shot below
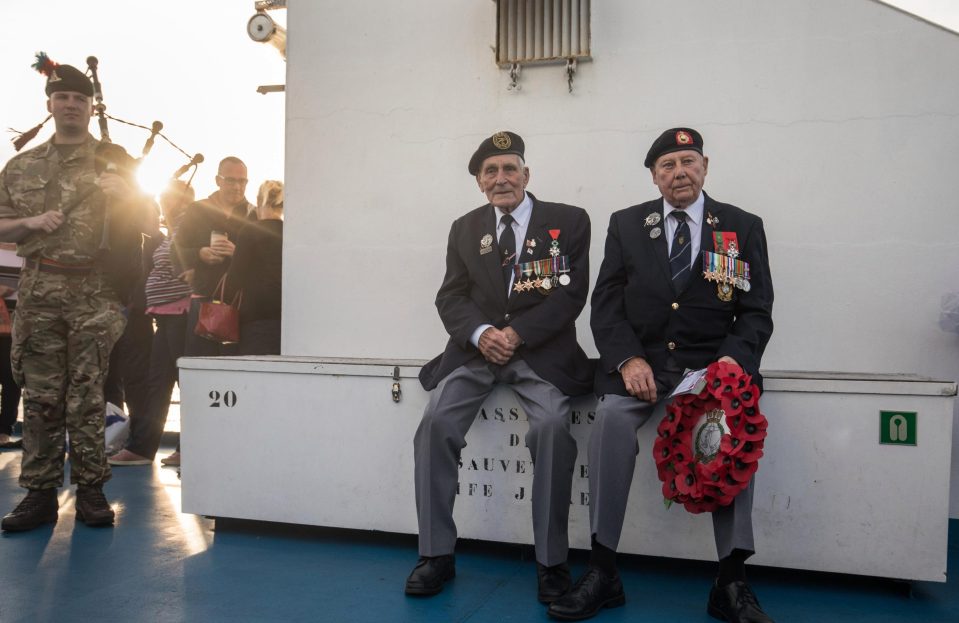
(681, 255)
(507, 247)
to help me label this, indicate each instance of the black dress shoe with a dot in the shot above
(429, 574)
(593, 592)
(37, 508)
(736, 603)
(553, 582)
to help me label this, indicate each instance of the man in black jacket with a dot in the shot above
(517, 275)
(654, 315)
(206, 240)
(203, 248)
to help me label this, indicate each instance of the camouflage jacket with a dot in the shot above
(37, 181)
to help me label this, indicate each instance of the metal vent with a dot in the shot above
(536, 31)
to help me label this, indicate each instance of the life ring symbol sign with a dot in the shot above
(898, 428)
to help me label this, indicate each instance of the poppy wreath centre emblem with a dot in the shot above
(709, 444)
(683, 138)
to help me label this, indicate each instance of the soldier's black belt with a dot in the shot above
(50, 266)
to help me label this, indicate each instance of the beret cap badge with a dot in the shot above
(672, 140)
(502, 143)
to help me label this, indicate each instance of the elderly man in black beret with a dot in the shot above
(517, 276)
(69, 313)
(653, 316)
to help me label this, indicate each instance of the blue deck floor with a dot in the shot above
(160, 565)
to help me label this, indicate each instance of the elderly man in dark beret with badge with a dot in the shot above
(517, 276)
(60, 211)
(654, 315)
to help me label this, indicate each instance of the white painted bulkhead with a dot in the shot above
(835, 121)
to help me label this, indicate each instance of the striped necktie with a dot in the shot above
(681, 254)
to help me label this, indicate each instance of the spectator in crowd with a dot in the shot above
(128, 379)
(205, 243)
(10, 264)
(167, 295)
(257, 271)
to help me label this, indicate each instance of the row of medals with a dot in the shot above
(725, 281)
(724, 288)
(544, 284)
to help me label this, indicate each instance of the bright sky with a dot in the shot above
(189, 65)
(942, 12)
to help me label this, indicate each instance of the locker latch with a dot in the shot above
(397, 391)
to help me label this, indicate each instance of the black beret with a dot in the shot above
(497, 145)
(674, 139)
(69, 78)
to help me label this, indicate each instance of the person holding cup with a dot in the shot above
(203, 249)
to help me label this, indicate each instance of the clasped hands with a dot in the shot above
(499, 345)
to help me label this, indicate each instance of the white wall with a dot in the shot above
(836, 121)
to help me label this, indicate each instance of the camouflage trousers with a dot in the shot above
(63, 332)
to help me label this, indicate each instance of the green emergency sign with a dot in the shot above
(897, 428)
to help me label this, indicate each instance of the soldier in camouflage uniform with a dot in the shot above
(53, 204)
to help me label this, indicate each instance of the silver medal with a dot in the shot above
(655, 232)
(652, 219)
(564, 280)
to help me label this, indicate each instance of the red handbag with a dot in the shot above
(219, 321)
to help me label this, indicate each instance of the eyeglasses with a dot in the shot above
(234, 181)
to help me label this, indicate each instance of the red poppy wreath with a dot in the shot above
(709, 444)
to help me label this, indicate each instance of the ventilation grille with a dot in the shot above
(534, 31)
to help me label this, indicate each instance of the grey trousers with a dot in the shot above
(452, 407)
(612, 457)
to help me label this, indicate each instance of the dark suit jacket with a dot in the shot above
(633, 304)
(474, 293)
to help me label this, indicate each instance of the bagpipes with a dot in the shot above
(109, 156)
(123, 225)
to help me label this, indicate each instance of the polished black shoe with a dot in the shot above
(592, 592)
(92, 506)
(429, 574)
(552, 582)
(735, 603)
(38, 507)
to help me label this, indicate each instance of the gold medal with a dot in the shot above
(725, 292)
